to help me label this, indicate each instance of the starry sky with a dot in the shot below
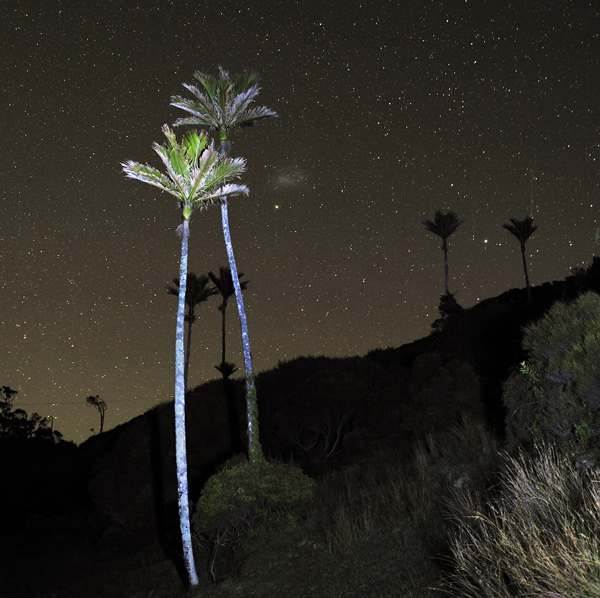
(388, 111)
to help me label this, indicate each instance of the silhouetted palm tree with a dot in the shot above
(196, 292)
(443, 225)
(224, 285)
(197, 176)
(223, 103)
(522, 230)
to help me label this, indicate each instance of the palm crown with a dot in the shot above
(197, 290)
(521, 229)
(222, 102)
(195, 173)
(443, 225)
(224, 283)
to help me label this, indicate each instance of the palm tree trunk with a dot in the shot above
(529, 298)
(445, 248)
(187, 352)
(180, 440)
(254, 449)
(223, 308)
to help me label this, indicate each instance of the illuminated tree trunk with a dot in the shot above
(180, 437)
(254, 449)
(188, 351)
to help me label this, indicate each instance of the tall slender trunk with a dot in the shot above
(445, 249)
(180, 439)
(254, 448)
(223, 308)
(529, 298)
(188, 350)
(255, 453)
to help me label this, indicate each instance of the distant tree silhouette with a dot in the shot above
(16, 424)
(522, 230)
(101, 406)
(223, 103)
(443, 225)
(224, 285)
(197, 176)
(196, 292)
(450, 311)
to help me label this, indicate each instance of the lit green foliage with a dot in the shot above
(556, 393)
(194, 173)
(535, 536)
(247, 496)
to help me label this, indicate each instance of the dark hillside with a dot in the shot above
(75, 513)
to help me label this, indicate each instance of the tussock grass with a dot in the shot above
(537, 536)
(393, 491)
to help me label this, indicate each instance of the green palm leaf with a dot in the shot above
(195, 173)
(222, 102)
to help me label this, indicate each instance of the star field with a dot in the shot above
(387, 113)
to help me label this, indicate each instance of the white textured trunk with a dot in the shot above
(180, 439)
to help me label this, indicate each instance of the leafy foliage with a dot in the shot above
(225, 102)
(194, 173)
(556, 392)
(222, 102)
(245, 496)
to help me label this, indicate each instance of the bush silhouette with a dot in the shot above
(244, 499)
(556, 392)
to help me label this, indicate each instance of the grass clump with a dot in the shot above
(536, 536)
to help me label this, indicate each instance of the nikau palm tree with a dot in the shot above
(224, 103)
(196, 292)
(224, 285)
(197, 176)
(522, 230)
(443, 225)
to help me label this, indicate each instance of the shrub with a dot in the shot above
(244, 497)
(441, 391)
(556, 393)
(536, 537)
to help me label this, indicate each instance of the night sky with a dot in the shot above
(388, 111)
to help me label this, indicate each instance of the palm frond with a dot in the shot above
(150, 175)
(209, 83)
(240, 112)
(443, 225)
(226, 171)
(219, 194)
(204, 112)
(521, 229)
(222, 102)
(195, 173)
(194, 142)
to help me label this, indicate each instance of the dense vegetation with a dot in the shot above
(411, 476)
